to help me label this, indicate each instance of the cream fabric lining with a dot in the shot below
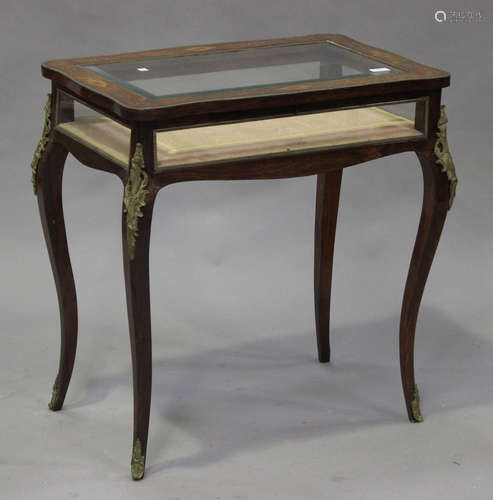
(219, 142)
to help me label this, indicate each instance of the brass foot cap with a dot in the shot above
(415, 406)
(55, 404)
(137, 475)
(138, 461)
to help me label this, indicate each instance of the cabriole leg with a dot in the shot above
(47, 181)
(440, 182)
(327, 205)
(136, 228)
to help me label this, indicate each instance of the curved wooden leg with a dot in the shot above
(433, 214)
(327, 204)
(136, 236)
(49, 191)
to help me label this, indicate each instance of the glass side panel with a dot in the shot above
(90, 127)
(247, 68)
(210, 144)
(334, 129)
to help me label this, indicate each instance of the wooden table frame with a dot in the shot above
(142, 181)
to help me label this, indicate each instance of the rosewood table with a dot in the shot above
(249, 110)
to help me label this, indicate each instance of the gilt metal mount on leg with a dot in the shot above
(134, 196)
(443, 156)
(43, 142)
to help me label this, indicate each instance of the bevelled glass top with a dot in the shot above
(240, 69)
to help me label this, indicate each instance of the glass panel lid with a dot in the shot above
(240, 69)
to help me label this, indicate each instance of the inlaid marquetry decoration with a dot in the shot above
(415, 406)
(43, 142)
(134, 197)
(443, 156)
(138, 461)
